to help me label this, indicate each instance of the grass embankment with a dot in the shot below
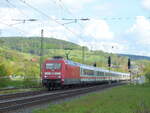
(6, 83)
(19, 90)
(123, 99)
(23, 85)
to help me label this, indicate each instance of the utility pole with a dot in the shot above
(109, 65)
(83, 54)
(129, 68)
(41, 51)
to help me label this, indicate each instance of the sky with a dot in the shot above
(117, 26)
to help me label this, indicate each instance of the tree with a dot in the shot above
(3, 70)
(147, 72)
(6, 69)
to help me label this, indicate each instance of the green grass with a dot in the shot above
(5, 83)
(123, 99)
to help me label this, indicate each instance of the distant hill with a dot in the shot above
(20, 52)
(135, 57)
(32, 44)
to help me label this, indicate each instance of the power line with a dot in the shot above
(119, 18)
(42, 13)
(63, 6)
(22, 13)
(14, 6)
(13, 27)
(66, 8)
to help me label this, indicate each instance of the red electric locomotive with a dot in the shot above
(56, 73)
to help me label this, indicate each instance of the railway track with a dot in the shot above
(31, 100)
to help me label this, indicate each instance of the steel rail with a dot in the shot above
(15, 88)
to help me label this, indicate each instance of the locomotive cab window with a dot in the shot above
(53, 65)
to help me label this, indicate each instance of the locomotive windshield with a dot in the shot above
(53, 65)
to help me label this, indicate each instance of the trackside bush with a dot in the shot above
(147, 75)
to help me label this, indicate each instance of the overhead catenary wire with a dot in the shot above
(104, 18)
(57, 5)
(119, 18)
(54, 20)
(14, 6)
(24, 20)
(20, 21)
(11, 5)
(13, 27)
(63, 6)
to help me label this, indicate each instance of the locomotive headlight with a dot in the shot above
(45, 76)
(59, 76)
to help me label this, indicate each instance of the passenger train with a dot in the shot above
(58, 72)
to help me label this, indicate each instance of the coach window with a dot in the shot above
(88, 72)
(97, 73)
(91, 72)
(84, 72)
(102, 73)
(107, 74)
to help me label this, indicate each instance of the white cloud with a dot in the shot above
(55, 32)
(7, 15)
(141, 30)
(38, 2)
(146, 4)
(104, 7)
(76, 2)
(98, 29)
(107, 46)
(67, 2)
(75, 5)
